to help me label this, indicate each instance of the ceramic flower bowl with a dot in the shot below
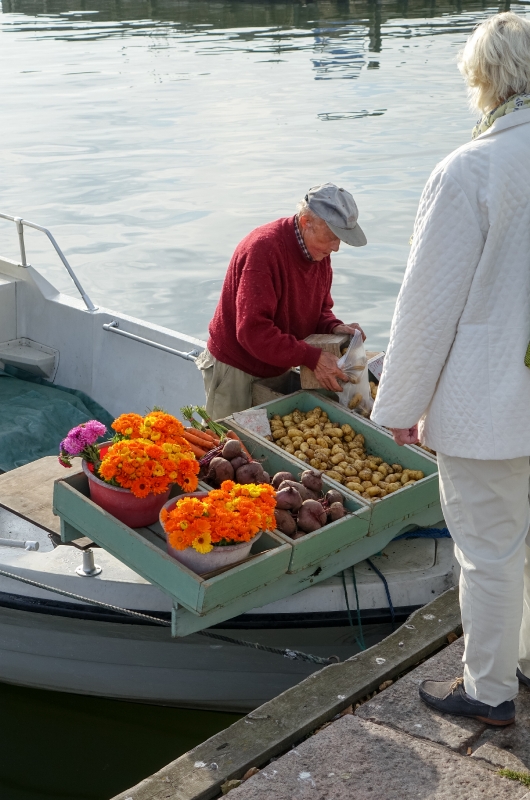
(136, 512)
(220, 556)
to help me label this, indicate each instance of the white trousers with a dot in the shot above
(487, 510)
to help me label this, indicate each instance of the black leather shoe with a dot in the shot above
(450, 697)
(523, 678)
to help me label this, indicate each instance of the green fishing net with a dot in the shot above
(36, 415)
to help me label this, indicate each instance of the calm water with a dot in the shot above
(151, 137)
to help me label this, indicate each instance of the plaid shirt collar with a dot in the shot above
(301, 242)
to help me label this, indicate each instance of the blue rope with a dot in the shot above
(360, 638)
(387, 590)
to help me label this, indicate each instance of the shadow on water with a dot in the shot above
(67, 747)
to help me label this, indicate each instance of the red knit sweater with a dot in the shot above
(272, 298)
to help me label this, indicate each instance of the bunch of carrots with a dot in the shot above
(202, 440)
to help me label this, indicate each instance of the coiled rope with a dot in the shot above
(286, 653)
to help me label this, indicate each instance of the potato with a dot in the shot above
(350, 472)
(397, 468)
(354, 402)
(289, 448)
(359, 438)
(347, 438)
(354, 486)
(393, 487)
(358, 463)
(295, 433)
(376, 478)
(405, 476)
(416, 474)
(366, 484)
(365, 474)
(300, 455)
(373, 491)
(408, 483)
(384, 469)
(336, 432)
(278, 433)
(336, 459)
(336, 476)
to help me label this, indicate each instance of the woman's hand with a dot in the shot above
(405, 435)
(350, 329)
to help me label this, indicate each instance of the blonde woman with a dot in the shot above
(456, 365)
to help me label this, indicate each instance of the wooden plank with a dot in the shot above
(28, 491)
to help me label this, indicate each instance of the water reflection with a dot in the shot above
(156, 134)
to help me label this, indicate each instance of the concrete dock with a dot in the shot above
(395, 747)
(358, 730)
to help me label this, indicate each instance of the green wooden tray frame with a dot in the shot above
(144, 551)
(413, 506)
(337, 537)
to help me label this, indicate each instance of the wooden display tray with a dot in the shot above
(338, 537)
(414, 506)
(144, 551)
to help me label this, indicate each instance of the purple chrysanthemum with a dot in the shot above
(82, 436)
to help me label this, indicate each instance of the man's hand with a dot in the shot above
(405, 435)
(327, 372)
(349, 329)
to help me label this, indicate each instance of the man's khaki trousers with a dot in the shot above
(227, 389)
(487, 510)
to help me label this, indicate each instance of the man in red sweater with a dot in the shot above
(276, 293)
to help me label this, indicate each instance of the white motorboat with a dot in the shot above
(52, 641)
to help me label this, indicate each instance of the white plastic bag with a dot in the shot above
(356, 394)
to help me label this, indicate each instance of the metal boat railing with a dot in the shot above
(113, 327)
(19, 222)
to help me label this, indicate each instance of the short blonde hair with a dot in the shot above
(496, 60)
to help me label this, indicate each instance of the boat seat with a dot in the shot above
(33, 357)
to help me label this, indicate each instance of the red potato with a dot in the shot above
(285, 521)
(332, 496)
(304, 493)
(288, 498)
(311, 516)
(280, 477)
(336, 511)
(312, 480)
(220, 470)
(232, 449)
(250, 473)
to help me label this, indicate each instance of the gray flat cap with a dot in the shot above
(339, 211)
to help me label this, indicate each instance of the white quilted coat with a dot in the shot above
(462, 320)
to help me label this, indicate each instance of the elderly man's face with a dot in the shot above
(318, 238)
